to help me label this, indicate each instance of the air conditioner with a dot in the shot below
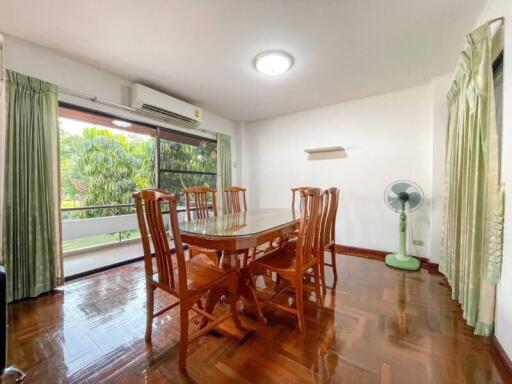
(167, 108)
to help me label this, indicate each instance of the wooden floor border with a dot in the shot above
(504, 364)
(381, 256)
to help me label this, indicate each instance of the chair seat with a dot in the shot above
(282, 259)
(201, 274)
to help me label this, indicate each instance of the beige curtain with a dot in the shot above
(473, 216)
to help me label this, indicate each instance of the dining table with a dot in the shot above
(235, 234)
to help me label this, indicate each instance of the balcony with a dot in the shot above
(92, 244)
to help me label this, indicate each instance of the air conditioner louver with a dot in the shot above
(164, 107)
(170, 116)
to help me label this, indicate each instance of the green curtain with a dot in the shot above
(223, 167)
(473, 212)
(30, 225)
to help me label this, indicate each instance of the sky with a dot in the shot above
(75, 127)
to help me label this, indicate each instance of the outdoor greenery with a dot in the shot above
(186, 157)
(102, 167)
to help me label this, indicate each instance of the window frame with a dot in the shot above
(161, 170)
(158, 133)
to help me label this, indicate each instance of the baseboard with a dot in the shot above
(504, 364)
(361, 252)
(381, 256)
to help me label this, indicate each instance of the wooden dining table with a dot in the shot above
(236, 233)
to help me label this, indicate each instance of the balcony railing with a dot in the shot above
(79, 235)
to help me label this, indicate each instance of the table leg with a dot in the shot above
(231, 260)
(211, 300)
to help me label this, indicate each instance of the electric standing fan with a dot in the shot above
(403, 197)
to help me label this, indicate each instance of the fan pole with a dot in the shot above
(402, 260)
(402, 253)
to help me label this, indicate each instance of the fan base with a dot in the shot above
(409, 263)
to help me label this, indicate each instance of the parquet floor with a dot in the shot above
(377, 326)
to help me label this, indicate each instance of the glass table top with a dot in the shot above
(241, 224)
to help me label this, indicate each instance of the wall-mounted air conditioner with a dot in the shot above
(165, 107)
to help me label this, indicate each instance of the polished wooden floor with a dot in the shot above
(377, 326)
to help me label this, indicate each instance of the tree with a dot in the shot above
(100, 167)
(69, 174)
(185, 157)
(108, 168)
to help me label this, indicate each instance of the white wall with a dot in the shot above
(387, 137)
(498, 8)
(49, 65)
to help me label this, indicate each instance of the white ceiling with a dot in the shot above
(203, 50)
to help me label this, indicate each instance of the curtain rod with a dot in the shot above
(95, 99)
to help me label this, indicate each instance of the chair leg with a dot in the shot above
(183, 337)
(321, 261)
(234, 300)
(333, 262)
(247, 289)
(246, 258)
(212, 299)
(150, 304)
(278, 280)
(317, 273)
(299, 302)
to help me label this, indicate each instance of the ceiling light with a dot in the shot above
(273, 63)
(121, 123)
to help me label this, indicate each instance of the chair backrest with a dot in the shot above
(297, 190)
(308, 228)
(148, 203)
(201, 196)
(323, 226)
(330, 228)
(234, 197)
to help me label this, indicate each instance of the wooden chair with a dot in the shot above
(236, 202)
(297, 191)
(329, 233)
(190, 282)
(201, 198)
(283, 241)
(293, 235)
(293, 265)
(234, 197)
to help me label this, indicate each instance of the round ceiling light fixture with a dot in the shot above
(121, 123)
(273, 63)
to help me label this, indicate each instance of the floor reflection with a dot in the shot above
(376, 325)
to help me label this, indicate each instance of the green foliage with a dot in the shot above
(69, 173)
(185, 157)
(100, 167)
(103, 168)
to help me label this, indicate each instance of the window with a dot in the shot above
(186, 161)
(104, 159)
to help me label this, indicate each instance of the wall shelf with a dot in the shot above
(324, 150)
